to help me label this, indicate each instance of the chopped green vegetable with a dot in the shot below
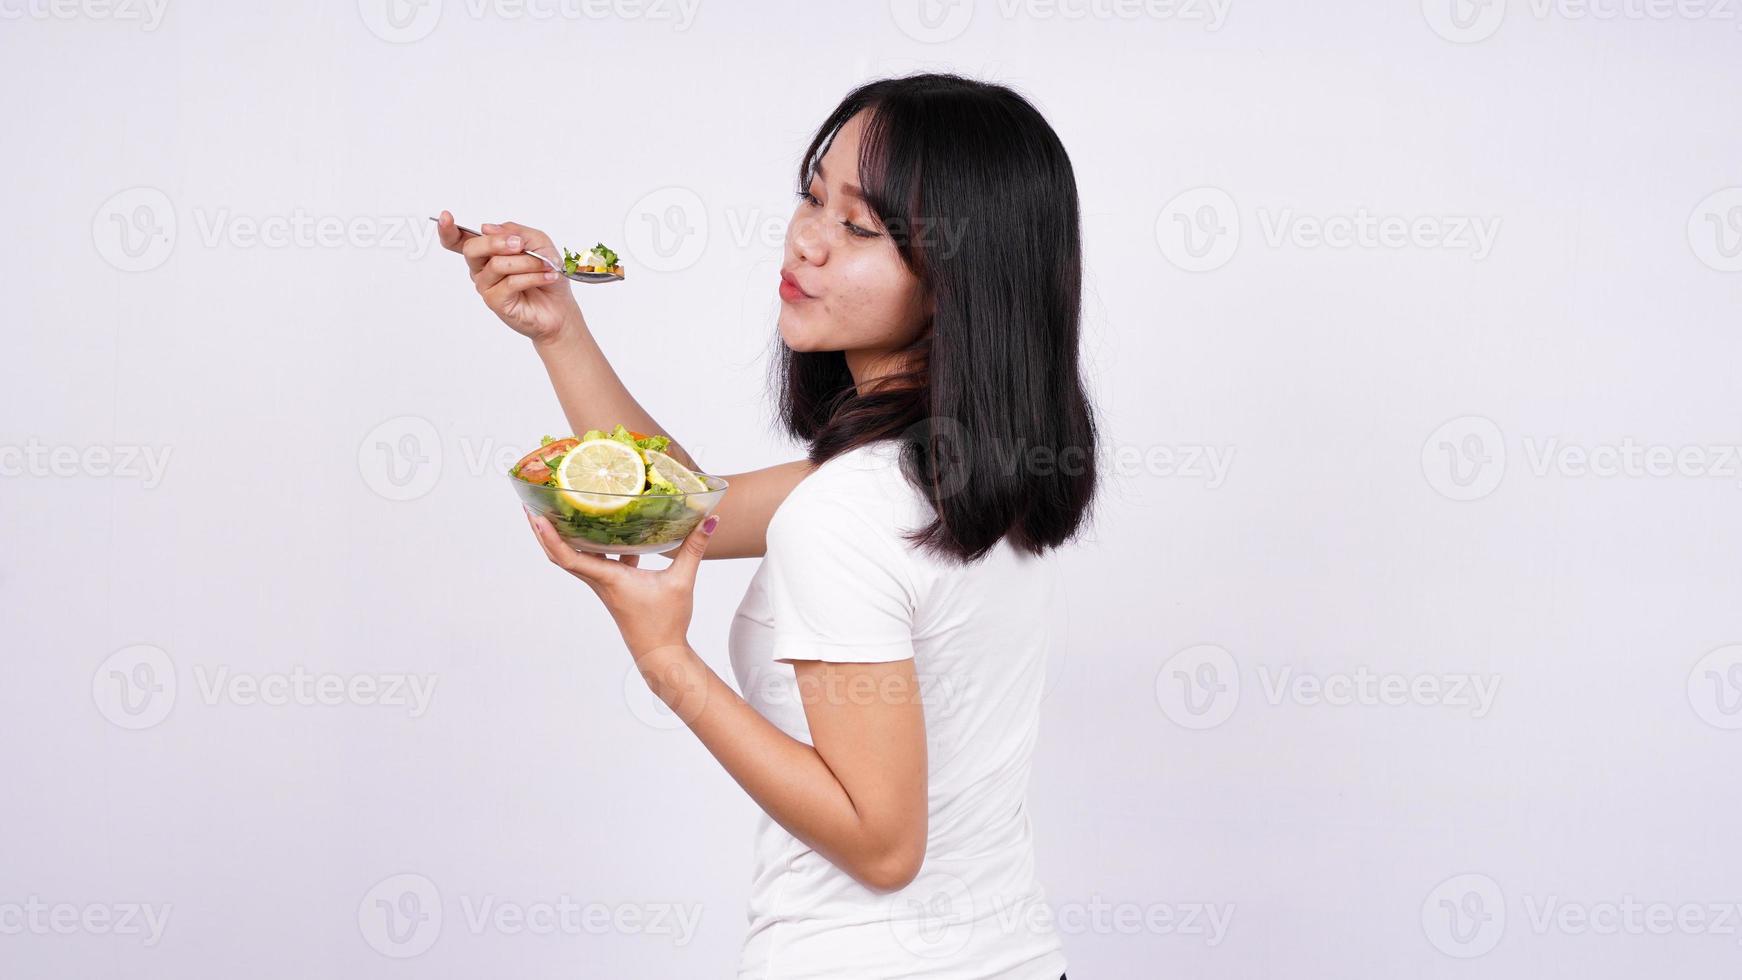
(661, 514)
(574, 261)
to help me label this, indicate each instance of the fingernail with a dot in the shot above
(550, 275)
(711, 523)
(514, 241)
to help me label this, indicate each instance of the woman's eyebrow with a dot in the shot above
(851, 190)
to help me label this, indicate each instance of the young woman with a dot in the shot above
(891, 647)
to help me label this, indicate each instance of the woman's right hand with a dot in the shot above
(522, 291)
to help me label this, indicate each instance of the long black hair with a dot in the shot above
(979, 197)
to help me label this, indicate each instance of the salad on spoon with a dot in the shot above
(597, 264)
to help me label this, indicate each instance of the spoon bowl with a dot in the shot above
(587, 277)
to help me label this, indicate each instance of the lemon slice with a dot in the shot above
(601, 466)
(668, 473)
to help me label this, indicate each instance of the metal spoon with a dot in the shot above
(590, 277)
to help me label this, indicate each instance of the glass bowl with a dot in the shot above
(622, 524)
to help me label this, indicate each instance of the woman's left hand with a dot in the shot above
(652, 608)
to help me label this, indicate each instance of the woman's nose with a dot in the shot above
(809, 243)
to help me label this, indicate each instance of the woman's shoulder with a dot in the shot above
(858, 508)
(862, 488)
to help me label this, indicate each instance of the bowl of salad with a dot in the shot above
(615, 493)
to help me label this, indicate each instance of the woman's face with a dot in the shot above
(857, 295)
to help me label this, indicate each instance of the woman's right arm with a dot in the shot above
(540, 305)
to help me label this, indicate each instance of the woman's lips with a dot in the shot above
(789, 289)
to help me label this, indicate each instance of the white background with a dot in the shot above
(294, 390)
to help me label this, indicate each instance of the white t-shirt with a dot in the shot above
(839, 583)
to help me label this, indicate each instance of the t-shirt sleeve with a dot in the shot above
(839, 585)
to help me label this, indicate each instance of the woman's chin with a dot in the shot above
(794, 335)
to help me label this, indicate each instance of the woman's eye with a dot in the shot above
(852, 229)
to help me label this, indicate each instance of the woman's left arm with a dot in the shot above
(857, 795)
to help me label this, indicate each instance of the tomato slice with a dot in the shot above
(534, 466)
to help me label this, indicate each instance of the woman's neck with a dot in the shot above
(870, 366)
